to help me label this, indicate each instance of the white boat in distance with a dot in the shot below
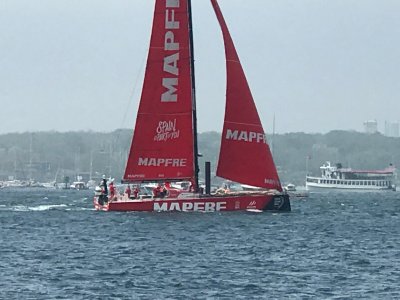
(336, 177)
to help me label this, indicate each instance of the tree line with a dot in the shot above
(46, 156)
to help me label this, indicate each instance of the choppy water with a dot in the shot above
(331, 246)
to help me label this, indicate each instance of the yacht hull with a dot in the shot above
(201, 203)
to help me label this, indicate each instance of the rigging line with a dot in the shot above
(134, 89)
(131, 96)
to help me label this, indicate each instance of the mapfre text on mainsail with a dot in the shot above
(171, 46)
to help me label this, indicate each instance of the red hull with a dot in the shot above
(205, 203)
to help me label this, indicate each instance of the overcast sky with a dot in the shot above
(318, 65)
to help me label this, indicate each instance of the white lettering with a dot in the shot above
(162, 162)
(187, 206)
(143, 161)
(221, 206)
(166, 130)
(170, 22)
(209, 206)
(171, 61)
(252, 135)
(198, 206)
(162, 207)
(169, 84)
(175, 206)
(172, 3)
(261, 138)
(231, 135)
(152, 162)
(243, 136)
(170, 42)
(246, 136)
(171, 64)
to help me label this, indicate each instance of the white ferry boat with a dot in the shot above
(336, 177)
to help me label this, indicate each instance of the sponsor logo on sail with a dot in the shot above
(166, 130)
(246, 136)
(189, 206)
(162, 162)
(172, 47)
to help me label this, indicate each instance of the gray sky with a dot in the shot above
(318, 65)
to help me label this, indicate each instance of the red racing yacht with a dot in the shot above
(164, 144)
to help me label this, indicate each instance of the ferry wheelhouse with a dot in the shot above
(337, 177)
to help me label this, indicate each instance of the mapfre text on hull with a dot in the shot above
(202, 203)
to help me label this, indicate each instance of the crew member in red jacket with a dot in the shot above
(111, 187)
(128, 191)
(136, 192)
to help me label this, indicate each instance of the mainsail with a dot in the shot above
(245, 156)
(162, 144)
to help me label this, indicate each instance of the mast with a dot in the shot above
(192, 75)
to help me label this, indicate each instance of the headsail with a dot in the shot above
(245, 156)
(162, 145)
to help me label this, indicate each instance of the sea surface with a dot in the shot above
(331, 246)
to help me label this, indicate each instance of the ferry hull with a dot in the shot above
(202, 203)
(326, 187)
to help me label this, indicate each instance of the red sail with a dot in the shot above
(245, 156)
(162, 144)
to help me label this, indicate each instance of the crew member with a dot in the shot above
(136, 192)
(103, 185)
(128, 191)
(112, 190)
(157, 191)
